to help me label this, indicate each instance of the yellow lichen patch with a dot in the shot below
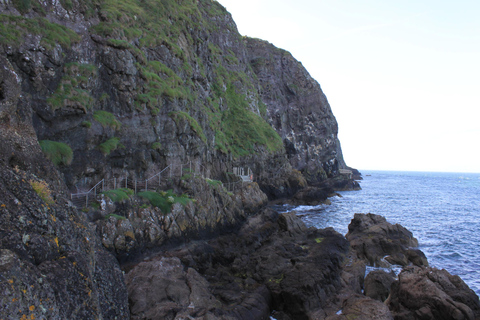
(10, 281)
(32, 317)
(56, 241)
(53, 218)
(3, 205)
(24, 317)
(14, 300)
(24, 291)
(31, 308)
(130, 234)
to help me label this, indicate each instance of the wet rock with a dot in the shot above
(373, 238)
(429, 293)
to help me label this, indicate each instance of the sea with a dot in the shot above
(442, 210)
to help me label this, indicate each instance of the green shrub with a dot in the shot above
(164, 200)
(87, 124)
(58, 152)
(23, 6)
(214, 183)
(119, 195)
(110, 145)
(156, 146)
(107, 119)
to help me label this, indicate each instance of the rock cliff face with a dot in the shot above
(120, 90)
(298, 110)
(134, 87)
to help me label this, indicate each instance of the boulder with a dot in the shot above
(432, 294)
(373, 239)
(377, 284)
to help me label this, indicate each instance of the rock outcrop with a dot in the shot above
(379, 242)
(274, 261)
(419, 292)
(429, 293)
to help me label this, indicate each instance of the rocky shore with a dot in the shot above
(275, 266)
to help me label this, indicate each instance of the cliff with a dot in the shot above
(134, 87)
(97, 91)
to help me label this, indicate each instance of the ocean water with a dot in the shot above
(441, 209)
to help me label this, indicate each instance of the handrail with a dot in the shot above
(146, 184)
(80, 193)
(158, 173)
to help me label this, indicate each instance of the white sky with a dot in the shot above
(402, 77)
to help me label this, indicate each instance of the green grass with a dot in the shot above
(87, 124)
(180, 116)
(58, 152)
(119, 195)
(13, 30)
(110, 145)
(116, 216)
(43, 191)
(164, 200)
(107, 119)
(69, 91)
(160, 82)
(239, 130)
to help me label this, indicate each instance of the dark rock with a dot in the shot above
(373, 238)
(362, 308)
(378, 283)
(432, 294)
(311, 196)
(273, 262)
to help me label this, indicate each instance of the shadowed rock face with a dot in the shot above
(52, 265)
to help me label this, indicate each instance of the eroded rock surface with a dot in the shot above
(375, 239)
(274, 261)
(429, 293)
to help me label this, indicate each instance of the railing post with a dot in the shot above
(126, 182)
(114, 183)
(146, 185)
(135, 186)
(86, 200)
(103, 185)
